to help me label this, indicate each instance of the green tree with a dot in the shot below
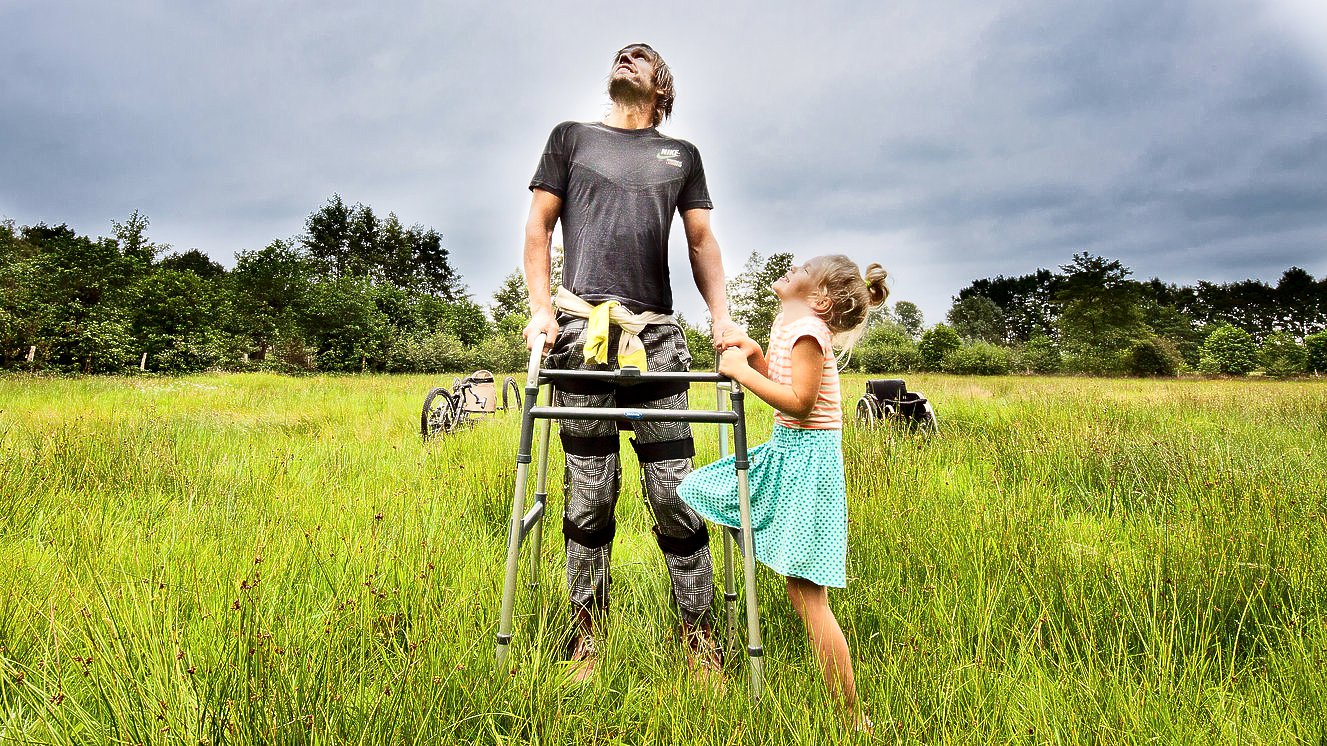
(344, 325)
(272, 290)
(936, 343)
(134, 244)
(977, 318)
(1100, 313)
(1229, 350)
(176, 319)
(1283, 356)
(1154, 356)
(511, 298)
(1316, 347)
(751, 300)
(909, 317)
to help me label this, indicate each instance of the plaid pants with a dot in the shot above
(594, 471)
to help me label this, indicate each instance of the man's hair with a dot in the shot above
(665, 93)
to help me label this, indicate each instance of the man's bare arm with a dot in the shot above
(707, 268)
(545, 207)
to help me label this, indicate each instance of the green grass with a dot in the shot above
(259, 559)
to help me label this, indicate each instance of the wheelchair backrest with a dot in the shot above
(478, 393)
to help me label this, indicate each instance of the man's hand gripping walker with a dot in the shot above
(530, 523)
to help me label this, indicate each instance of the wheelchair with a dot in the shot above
(889, 401)
(471, 398)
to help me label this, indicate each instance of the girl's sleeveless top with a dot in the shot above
(828, 411)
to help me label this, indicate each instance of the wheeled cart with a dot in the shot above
(530, 522)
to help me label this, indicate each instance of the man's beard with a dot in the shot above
(629, 93)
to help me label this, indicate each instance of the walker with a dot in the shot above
(530, 523)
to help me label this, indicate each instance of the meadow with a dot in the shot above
(251, 558)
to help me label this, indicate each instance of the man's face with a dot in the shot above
(632, 78)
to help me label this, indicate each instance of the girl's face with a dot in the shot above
(800, 282)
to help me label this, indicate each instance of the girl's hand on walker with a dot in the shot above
(733, 362)
(736, 338)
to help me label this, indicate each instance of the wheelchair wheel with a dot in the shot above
(511, 392)
(866, 412)
(441, 414)
(927, 422)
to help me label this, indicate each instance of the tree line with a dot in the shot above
(1091, 317)
(357, 291)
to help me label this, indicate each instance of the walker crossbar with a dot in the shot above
(530, 523)
(634, 415)
(631, 375)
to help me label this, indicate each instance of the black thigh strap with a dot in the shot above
(594, 445)
(685, 546)
(644, 393)
(589, 539)
(664, 450)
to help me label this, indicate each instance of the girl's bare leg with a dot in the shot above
(811, 602)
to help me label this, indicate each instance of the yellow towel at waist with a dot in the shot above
(630, 350)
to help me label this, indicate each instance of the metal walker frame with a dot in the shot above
(530, 523)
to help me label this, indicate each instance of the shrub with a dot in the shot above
(1039, 355)
(701, 346)
(936, 343)
(500, 353)
(1229, 350)
(1153, 356)
(1282, 355)
(1316, 345)
(977, 359)
(440, 352)
(887, 358)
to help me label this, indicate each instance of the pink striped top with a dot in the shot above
(828, 411)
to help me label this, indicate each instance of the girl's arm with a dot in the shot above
(796, 399)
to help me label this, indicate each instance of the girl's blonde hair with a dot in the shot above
(851, 296)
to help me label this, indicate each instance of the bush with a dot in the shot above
(500, 353)
(1283, 356)
(1229, 350)
(887, 358)
(1153, 356)
(1316, 345)
(977, 359)
(1039, 355)
(936, 343)
(701, 346)
(440, 352)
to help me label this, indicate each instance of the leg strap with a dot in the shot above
(684, 546)
(664, 450)
(589, 539)
(600, 445)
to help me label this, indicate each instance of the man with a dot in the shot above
(616, 185)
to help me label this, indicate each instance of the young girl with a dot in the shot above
(798, 500)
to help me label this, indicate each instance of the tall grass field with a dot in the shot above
(236, 559)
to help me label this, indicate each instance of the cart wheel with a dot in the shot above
(510, 392)
(928, 422)
(865, 413)
(440, 414)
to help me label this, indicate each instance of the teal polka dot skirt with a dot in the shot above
(799, 510)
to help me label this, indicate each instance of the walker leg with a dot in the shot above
(754, 649)
(516, 532)
(513, 560)
(540, 494)
(729, 585)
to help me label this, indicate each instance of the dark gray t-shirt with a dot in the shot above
(620, 189)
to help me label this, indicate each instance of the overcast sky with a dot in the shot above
(947, 140)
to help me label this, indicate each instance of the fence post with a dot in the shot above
(142, 363)
(32, 352)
